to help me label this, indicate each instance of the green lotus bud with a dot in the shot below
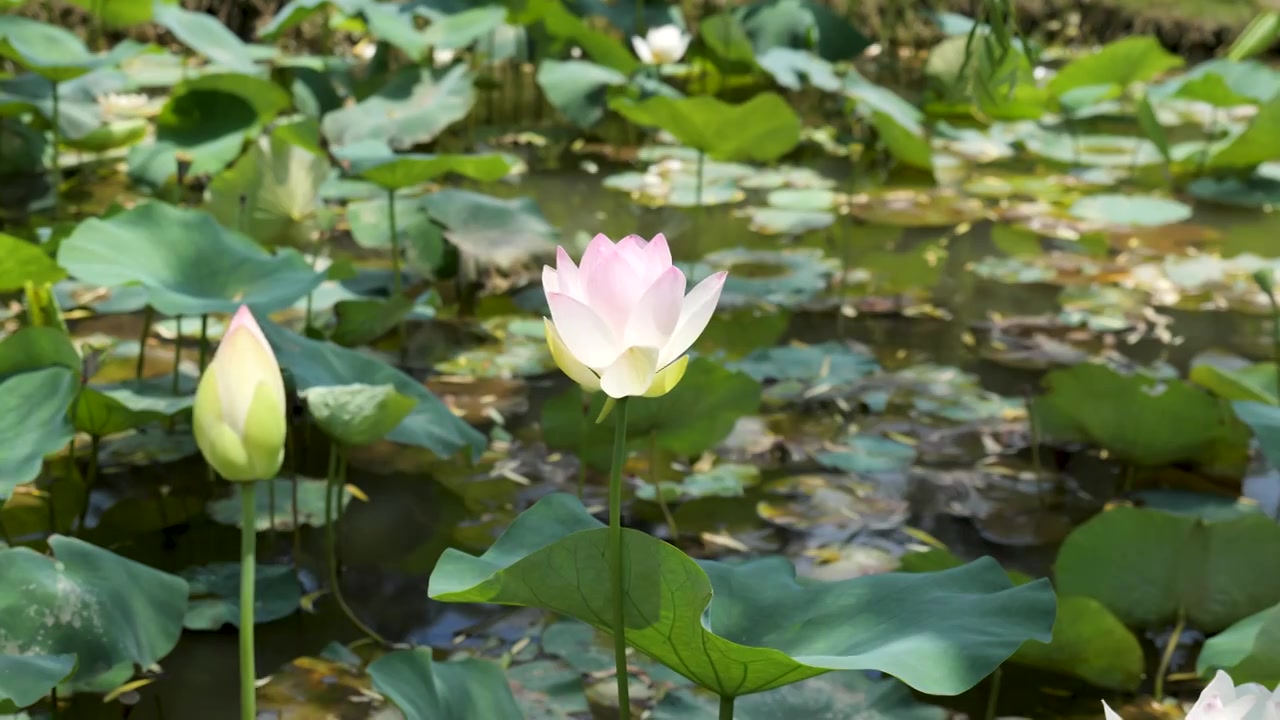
(239, 415)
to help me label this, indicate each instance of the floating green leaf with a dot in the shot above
(216, 271)
(320, 364)
(1130, 210)
(377, 163)
(940, 632)
(468, 689)
(834, 696)
(33, 422)
(215, 595)
(1147, 566)
(90, 602)
(763, 129)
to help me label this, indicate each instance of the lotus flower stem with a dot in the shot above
(204, 339)
(616, 559)
(91, 477)
(697, 192)
(337, 469)
(148, 317)
(1167, 656)
(248, 573)
(395, 242)
(726, 707)
(57, 169)
(271, 515)
(654, 480)
(993, 698)
(291, 442)
(177, 354)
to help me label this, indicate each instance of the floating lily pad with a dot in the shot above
(830, 508)
(1130, 210)
(971, 616)
(1139, 419)
(1249, 650)
(215, 595)
(723, 480)
(587, 650)
(310, 493)
(774, 277)
(469, 689)
(869, 455)
(1254, 191)
(797, 372)
(90, 602)
(33, 421)
(519, 350)
(916, 208)
(783, 221)
(1205, 568)
(215, 273)
(786, 176)
(319, 364)
(413, 107)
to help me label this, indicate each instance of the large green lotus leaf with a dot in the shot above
(54, 52)
(762, 129)
(357, 414)
(1089, 641)
(1146, 564)
(24, 679)
(33, 422)
(1250, 78)
(272, 193)
(1139, 419)
(461, 29)
(578, 88)
(899, 124)
(1259, 143)
(801, 25)
(494, 230)
(793, 69)
(468, 689)
(1249, 650)
(421, 237)
(88, 601)
(939, 632)
(1125, 61)
(35, 348)
(414, 107)
(99, 414)
(297, 11)
(208, 117)
(1264, 420)
(215, 594)
(214, 270)
(123, 13)
(692, 418)
(372, 160)
(834, 696)
(205, 34)
(1255, 383)
(315, 363)
(25, 262)
(570, 29)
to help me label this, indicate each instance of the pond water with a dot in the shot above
(418, 506)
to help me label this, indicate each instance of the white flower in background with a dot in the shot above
(443, 57)
(1222, 700)
(662, 45)
(123, 105)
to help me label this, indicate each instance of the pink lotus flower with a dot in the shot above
(621, 322)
